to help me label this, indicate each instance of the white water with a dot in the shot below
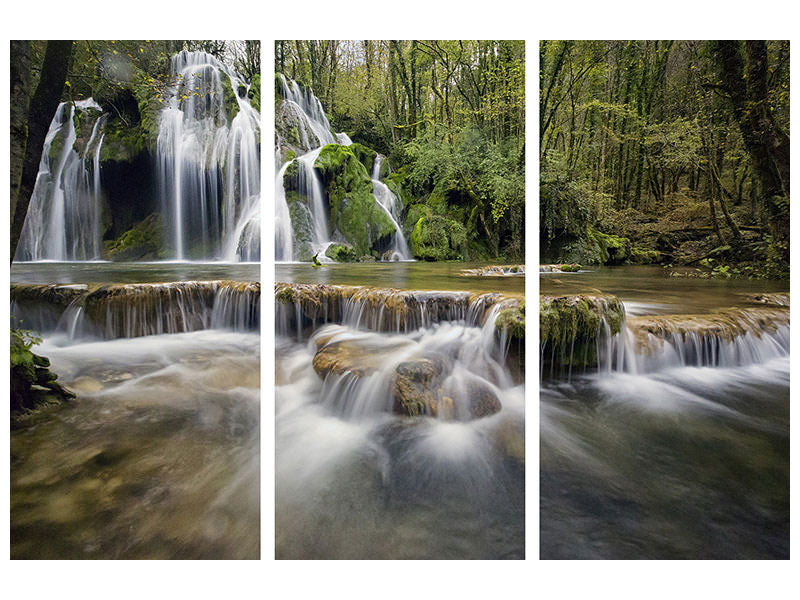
(393, 207)
(308, 116)
(63, 219)
(208, 163)
(354, 480)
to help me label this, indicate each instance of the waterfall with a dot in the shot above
(136, 310)
(208, 162)
(311, 132)
(63, 219)
(731, 338)
(387, 200)
(284, 234)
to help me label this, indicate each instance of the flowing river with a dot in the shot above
(399, 416)
(677, 446)
(158, 456)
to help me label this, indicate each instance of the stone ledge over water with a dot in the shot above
(137, 309)
(300, 306)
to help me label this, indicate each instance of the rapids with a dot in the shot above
(158, 456)
(356, 476)
(675, 443)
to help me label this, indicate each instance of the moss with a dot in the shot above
(642, 256)
(566, 318)
(144, 241)
(254, 93)
(353, 209)
(438, 238)
(366, 156)
(512, 321)
(229, 98)
(573, 268)
(31, 382)
(341, 253)
(286, 295)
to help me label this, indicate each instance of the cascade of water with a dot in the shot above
(284, 234)
(387, 200)
(209, 163)
(309, 114)
(135, 310)
(737, 338)
(63, 219)
(313, 133)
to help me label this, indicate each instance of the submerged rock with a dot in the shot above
(494, 271)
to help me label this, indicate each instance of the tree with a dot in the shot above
(43, 106)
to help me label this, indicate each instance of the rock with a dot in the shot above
(341, 253)
(415, 387)
(86, 385)
(143, 242)
(354, 212)
(346, 358)
(482, 400)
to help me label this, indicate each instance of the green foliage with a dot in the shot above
(22, 340)
(254, 93)
(438, 238)
(341, 253)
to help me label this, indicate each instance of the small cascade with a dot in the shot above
(310, 185)
(730, 338)
(208, 158)
(135, 310)
(593, 332)
(64, 215)
(307, 115)
(393, 207)
(301, 308)
(284, 234)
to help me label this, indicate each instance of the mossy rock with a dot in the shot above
(354, 213)
(571, 268)
(436, 237)
(567, 318)
(366, 156)
(302, 225)
(254, 93)
(341, 253)
(144, 241)
(512, 322)
(229, 98)
(643, 256)
(31, 382)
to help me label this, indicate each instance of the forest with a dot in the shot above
(666, 152)
(450, 118)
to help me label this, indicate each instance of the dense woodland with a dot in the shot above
(673, 152)
(128, 78)
(450, 115)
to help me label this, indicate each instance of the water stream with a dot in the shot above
(677, 444)
(158, 456)
(208, 162)
(356, 476)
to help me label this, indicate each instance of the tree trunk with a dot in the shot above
(43, 106)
